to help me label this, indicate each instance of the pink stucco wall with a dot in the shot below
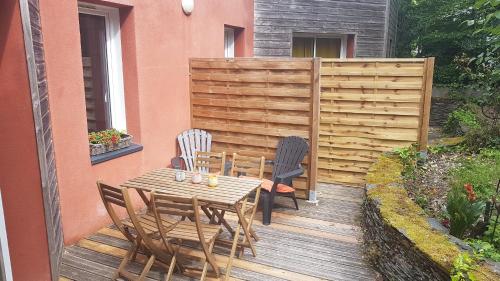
(157, 42)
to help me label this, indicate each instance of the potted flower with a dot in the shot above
(108, 140)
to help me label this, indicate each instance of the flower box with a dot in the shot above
(124, 141)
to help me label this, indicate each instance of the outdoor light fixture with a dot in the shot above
(187, 6)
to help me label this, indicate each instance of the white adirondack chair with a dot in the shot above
(190, 142)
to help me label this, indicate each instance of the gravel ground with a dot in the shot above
(430, 186)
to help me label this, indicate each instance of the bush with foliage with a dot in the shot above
(461, 121)
(486, 136)
(464, 36)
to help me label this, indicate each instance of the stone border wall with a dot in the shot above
(400, 242)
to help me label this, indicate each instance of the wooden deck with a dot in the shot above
(315, 243)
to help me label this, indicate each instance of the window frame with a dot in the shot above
(114, 60)
(229, 48)
(342, 37)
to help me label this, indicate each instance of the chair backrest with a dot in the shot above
(190, 142)
(290, 152)
(248, 166)
(146, 239)
(210, 162)
(182, 208)
(112, 198)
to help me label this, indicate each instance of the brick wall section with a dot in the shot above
(50, 190)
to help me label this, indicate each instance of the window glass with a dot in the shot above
(328, 47)
(303, 47)
(95, 73)
(307, 47)
(228, 42)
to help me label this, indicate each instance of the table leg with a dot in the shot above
(220, 217)
(143, 196)
(235, 244)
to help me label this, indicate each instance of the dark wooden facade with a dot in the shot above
(372, 22)
(41, 114)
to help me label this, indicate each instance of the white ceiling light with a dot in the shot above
(187, 6)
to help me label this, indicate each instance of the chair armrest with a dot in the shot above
(290, 175)
(176, 162)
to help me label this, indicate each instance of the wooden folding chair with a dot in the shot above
(210, 162)
(147, 229)
(112, 198)
(244, 166)
(182, 230)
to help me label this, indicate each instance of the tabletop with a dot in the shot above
(229, 190)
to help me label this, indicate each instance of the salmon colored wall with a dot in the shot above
(19, 171)
(157, 41)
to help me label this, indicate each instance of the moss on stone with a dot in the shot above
(400, 212)
(386, 170)
(448, 141)
(484, 273)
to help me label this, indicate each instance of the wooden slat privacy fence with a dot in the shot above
(248, 104)
(350, 110)
(369, 106)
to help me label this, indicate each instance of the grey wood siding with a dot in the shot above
(39, 94)
(277, 20)
(392, 27)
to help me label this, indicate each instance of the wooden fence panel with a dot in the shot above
(369, 106)
(249, 104)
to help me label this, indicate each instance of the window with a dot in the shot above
(102, 67)
(228, 42)
(324, 46)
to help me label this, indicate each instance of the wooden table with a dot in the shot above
(230, 192)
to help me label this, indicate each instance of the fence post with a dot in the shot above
(315, 120)
(426, 105)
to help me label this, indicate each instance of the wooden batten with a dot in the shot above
(248, 104)
(368, 107)
(350, 110)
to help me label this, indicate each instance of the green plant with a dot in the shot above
(481, 171)
(464, 210)
(422, 201)
(410, 158)
(493, 235)
(486, 136)
(460, 121)
(484, 249)
(463, 266)
(106, 137)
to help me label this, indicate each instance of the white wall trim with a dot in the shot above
(115, 64)
(6, 268)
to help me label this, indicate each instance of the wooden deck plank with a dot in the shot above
(314, 243)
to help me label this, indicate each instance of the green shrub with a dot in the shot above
(481, 171)
(464, 211)
(460, 121)
(409, 157)
(485, 136)
(484, 249)
(463, 266)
